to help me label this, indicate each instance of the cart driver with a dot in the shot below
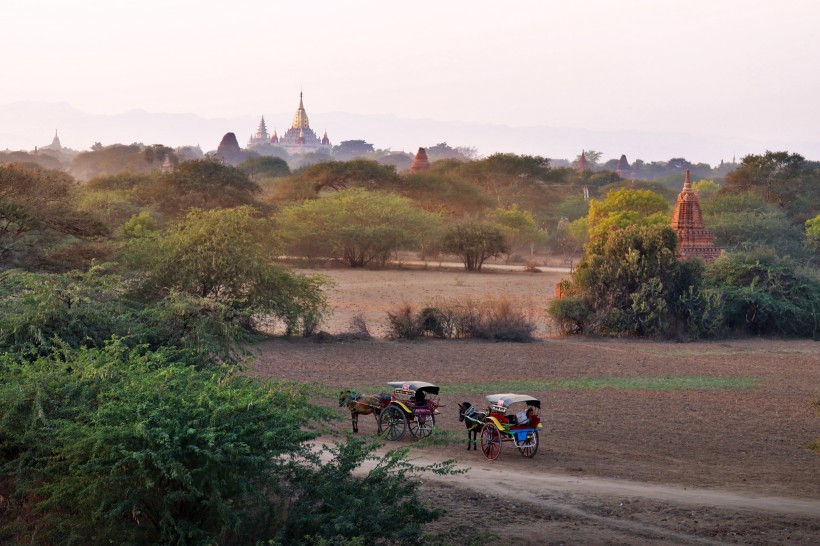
(420, 398)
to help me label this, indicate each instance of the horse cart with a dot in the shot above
(413, 405)
(512, 418)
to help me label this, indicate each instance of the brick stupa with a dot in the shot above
(420, 162)
(694, 240)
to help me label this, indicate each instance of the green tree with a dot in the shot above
(225, 255)
(765, 294)
(38, 212)
(265, 166)
(706, 188)
(203, 184)
(474, 242)
(519, 229)
(355, 225)
(781, 178)
(351, 149)
(337, 176)
(629, 281)
(741, 220)
(813, 234)
(627, 207)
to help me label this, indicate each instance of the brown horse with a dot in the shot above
(363, 405)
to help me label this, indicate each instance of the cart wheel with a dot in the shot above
(530, 450)
(393, 423)
(422, 425)
(490, 441)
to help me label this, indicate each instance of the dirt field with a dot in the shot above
(679, 465)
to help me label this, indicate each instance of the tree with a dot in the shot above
(519, 228)
(706, 188)
(629, 281)
(38, 212)
(337, 176)
(225, 255)
(764, 294)
(627, 207)
(351, 149)
(265, 166)
(784, 179)
(813, 234)
(474, 242)
(203, 184)
(355, 225)
(740, 220)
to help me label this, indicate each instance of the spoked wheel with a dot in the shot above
(393, 423)
(490, 441)
(422, 425)
(530, 450)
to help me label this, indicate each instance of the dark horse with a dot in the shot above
(363, 405)
(473, 419)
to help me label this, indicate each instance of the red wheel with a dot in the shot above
(530, 446)
(490, 441)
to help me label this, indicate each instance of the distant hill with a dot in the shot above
(24, 125)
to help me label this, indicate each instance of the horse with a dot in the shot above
(362, 405)
(473, 420)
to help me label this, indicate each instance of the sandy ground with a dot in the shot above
(615, 466)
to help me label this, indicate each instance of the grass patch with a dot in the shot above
(814, 446)
(638, 383)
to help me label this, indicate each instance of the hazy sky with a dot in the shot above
(725, 67)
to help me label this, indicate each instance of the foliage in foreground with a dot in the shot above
(126, 446)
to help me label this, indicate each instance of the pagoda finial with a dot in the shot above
(687, 184)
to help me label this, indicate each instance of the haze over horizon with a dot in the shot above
(738, 76)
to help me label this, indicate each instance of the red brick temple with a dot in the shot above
(420, 163)
(694, 240)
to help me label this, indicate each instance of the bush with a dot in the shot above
(474, 242)
(496, 320)
(124, 446)
(765, 294)
(570, 314)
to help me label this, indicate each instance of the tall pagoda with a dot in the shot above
(299, 139)
(694, 240)
(420, 162)
(261, 136)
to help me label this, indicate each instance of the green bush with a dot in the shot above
(571, 314)
(122, 445)
(765, 294)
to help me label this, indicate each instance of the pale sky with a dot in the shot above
(746, 68)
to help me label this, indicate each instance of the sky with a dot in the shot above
(734, 68)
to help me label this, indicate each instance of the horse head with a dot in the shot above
(344, 397)
(462, 410)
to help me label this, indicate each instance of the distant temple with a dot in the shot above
(55, 144)
(420, 163)
(299, 139)
(582, 162)
(694, 240)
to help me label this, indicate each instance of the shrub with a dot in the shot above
(496, 320)
(404, 323)
(570, 314)
(474, 242)
(765, 294)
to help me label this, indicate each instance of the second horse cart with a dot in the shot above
(511, 418)
(413, 405)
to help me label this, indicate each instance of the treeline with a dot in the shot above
(765, 217)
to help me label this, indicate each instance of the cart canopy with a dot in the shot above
(507, 399)
(411, 387)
